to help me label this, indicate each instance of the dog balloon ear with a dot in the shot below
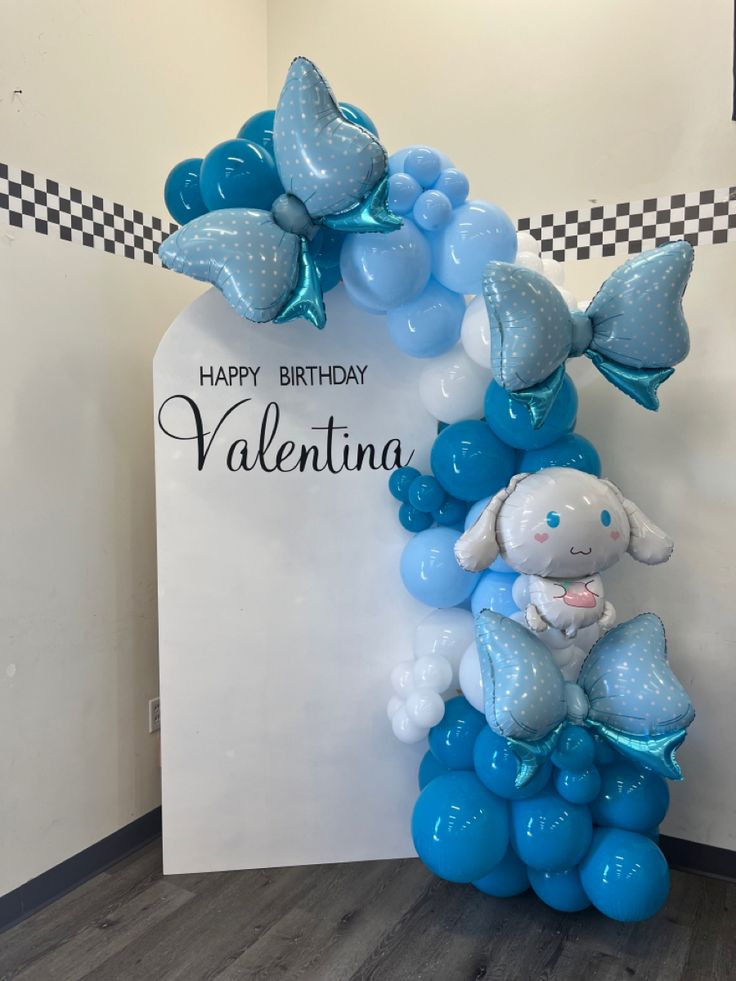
(477, 548)
(647, 542)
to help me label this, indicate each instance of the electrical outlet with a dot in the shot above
(154, 714)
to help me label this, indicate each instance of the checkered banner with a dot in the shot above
(701, 217)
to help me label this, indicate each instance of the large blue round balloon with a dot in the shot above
(430, 571)
(429, 768)
(259, 129)
(561, 890)
(550, 833)
(429, 324)
(508, 878)
(497, 767)
(511, 422)
(476, 233)
(625, 875)
(384, 270)
(460, 830)
(181, 192)
(631, 797)
(452, 740)
(570, 450)
(239, 174)
(575, 749)
(470, 461)
(354, 114)
(578, 786)
(493, 592)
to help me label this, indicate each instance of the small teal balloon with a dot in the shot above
(511, 422)
(578, 786)
(477, 233)
(429, 768)
(460, 830)
(470, 461)
(625, 875)
(452, 741)
(360, 117)
(328, 278)
(631, 797)
(432, 211)
(326, 246)
(403, 191)
(385, 270)
(605, 754)
(493, 592)
(430, 571)
(549, 833)
(397, 159)
(258, 128)
(425, 494)
(508, 878)
(423, 164)
(400, 481)
(570, 450)
(181, 192)
(575, 749)
(429, 325)
(497, 767)
(414, 520)
(454, 184)
(239, 174)
(451, 513)
(561, 890)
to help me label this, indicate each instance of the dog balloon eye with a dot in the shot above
(605, 518)
(553, 519)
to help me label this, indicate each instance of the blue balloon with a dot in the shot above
(452, 740)
(470, 461)
(425, 494)
(384, 270)
(400, 481)
(259, 129)
(511, 422)
(454, 184)
(326, 246)
(430, 571)
(508, 878)
(181, 191)
(414, 520)
(360, 117)
(403, 191)
(571, 450)
(460, 830)
(429, 324)
(493, 592)
(423, 164)
(477, 233)
(328, 278)
(625, 875)
(630, 798)
(605, 754)
(549, 833)
(239, 174)
(561, 890)
(578, 786)
(575, 749)
(497, 767)
(432, 211)
(451, 513)
(429, 768)
(396, 160)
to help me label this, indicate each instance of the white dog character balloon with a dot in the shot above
(559, 528)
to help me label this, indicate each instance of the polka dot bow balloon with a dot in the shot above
(334, 175)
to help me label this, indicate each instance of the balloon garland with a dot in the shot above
(551, 730)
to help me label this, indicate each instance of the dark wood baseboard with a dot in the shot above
(693, 856)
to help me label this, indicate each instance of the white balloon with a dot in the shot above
(569, 660)
(471, 682)
(530, 260)
(475, 334)
(570, 300)
(425, 708)
(587, 636)
(405, 730)
(555, 639)
(520, 592)
(402, 678)
(446, 633)
(525, 242)
(394, 704)
(452, 387)
(433, 671)
(554, 271)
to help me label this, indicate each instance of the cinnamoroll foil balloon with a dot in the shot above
(560, 528)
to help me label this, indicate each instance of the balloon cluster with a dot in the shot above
(424, 501)
(583, 831)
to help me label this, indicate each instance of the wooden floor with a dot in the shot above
(383, 921)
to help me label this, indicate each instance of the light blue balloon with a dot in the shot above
(396, 160)
(182, 193)
(429, 324)
(432, 211)
(631, 797)
(571, 450)
(578, 786)
(430, 571)
(477, 233)
(508, 878)
(382, 271)
(452, 741)
(454, 184)
(549, 833)
(510, 419)
(239, 174)
(429, 768)
(403, 191)
(493, 592)
(625, 875)
(497, 767)
(460, 830)
(470, 461)
(423, 164)
(561, 890)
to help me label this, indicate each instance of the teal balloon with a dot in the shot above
(561, 890)
(497, 767)
(510, 420)
(182, 193)
(508, 878)
(325, 247)
(625, 875)
(425, 494)
(259, 129)
(605, 754)
(384, 270)
(477, 233)
(493, 592)
(239, 174)
(631, 797)
(451, 513)
(358, 116)
(460, 830)
(400, 481)
(575, 749)
(571, 450)
(429, 768)
(328, 278)
(429, 325)
(470, 461)
(578, 786)
(452, 740)
(430, 571)
(414, 520)
(549, 833)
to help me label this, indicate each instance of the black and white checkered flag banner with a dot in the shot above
(701, 217)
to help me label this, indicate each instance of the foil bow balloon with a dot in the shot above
(633, 331)
(335, 175)
(625, 691)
